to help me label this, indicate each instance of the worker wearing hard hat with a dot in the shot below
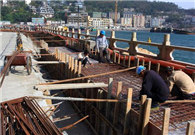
(153, 86)
(180, 84)
(102, 47)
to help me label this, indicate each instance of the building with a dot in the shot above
(104, 15)
(157, 22)
(128, 12)
(138, 21)
(97, 14)
(126, 22)
(38, 21)
(148, 20)
(46, 11)
(74, 18)
(112, 16)
(33, 9)
(100, 22)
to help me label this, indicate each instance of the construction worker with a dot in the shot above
(102, 47)
(153, 86)
(180, 84)
(84, 58)
(19, 46)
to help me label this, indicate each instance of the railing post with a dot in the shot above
(67, 32)
(87, 34)
(79, 33)
(133, 45)
(165, 52)
(97, 33)
(73, 32)
(112, 41)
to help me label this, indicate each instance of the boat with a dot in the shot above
(176, 31)
(161, 30)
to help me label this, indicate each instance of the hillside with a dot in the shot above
(147, 8)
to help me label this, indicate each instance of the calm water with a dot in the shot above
(176, 39)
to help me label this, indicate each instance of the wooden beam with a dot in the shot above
(71, 86)
(166, 117)
(146, 116)
(48, 62)
(72, 125)
(190, 128)
(129, 61)
(179, 101)
(76, 99)
(90, 76)
(127, 113)
(149, 65)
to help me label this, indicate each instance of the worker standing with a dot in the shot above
(102, 47)
(153, 86)
(180, 84)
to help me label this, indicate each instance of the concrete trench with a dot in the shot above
(129, 81)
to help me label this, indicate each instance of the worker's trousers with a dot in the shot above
(102, 53)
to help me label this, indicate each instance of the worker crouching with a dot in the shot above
(180, 84)
(153, 86)
(84, 58)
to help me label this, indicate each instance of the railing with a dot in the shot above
(165, 49)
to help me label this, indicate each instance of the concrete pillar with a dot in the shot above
(87, 34)
(165, 52)
(97, 33)
(112, 41)
(67, 32)
(133, 45)
(79, 32)
(73, 32)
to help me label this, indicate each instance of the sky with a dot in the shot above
(186, 4)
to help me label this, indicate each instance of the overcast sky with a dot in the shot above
(186, 4)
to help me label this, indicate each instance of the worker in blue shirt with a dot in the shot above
(153, 86)
(102, 47)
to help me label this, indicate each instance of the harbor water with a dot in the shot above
(175, 39)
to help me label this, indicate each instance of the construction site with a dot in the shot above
(46, 90)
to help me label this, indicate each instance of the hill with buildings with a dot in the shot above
(130, 13)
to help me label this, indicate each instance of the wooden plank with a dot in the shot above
(129, 61)
(48, 62)
(158, 67)
(143, 100)
(75, 68)
(137, 62)
(127, 112)
(114, 57)
(90, 76)
(71, 86)
(124, 56)
(190, 128)
(77, 99)
(107, 110)
(166, 117)
(179, 101)
(119, 58)
(116, 107)
(149, 65)
(143, 62)
(146, 116)
(79, 68)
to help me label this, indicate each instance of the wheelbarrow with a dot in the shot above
(21, 59)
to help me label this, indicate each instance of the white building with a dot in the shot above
(100, 22)
(46, 11)
(156, 22)
(126, 22)
(74, 18)
(138, 21)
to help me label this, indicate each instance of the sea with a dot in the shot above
(175, 39)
